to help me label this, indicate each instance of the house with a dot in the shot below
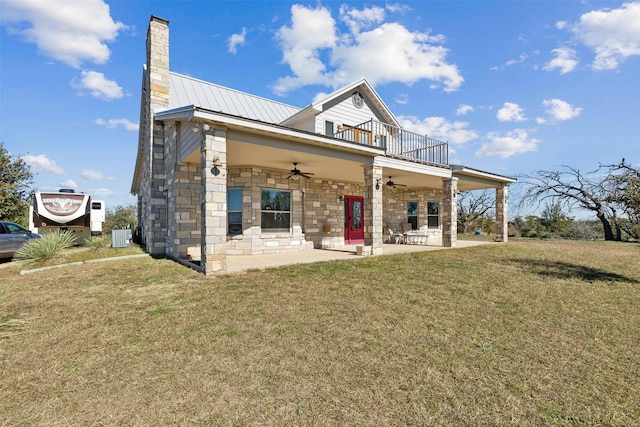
(220, 172)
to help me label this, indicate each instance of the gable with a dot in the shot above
(341, 109)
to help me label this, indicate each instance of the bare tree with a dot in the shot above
(472, 206)
(623, 185)
(572, 188)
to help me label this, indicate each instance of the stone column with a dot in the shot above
(373, 208)
(449, 212)
(213, 243)
(502, 221)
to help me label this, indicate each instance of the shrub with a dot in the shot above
(99, 243)
(49, 246)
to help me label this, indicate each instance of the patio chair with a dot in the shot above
(394, 236)
(406, 227)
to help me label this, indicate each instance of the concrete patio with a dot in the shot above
(237, 263)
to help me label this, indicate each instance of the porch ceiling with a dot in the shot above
(472, 179)
(324, 164)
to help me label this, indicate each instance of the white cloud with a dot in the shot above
(69, 183)
(68, 31)
(102, 192)
(98, 85)
(560, 110)
(507, 144)
(510, 112)
(439, 128)
(523, 57)
(565, 60)
(398, 8)
(561, 25)
(388, 52)
(114, 123)
(311, 31)
(42, 163)
(320, 96)
(520, 59)
(91, 174)
(237, 40)
(614, 34)
(402, 99)
(357, 19)
(463, 109)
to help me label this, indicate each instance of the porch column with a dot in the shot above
(373, 209)
(502, 221)
(449, 212)
(213, 237)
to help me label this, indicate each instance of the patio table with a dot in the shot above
(414, 238)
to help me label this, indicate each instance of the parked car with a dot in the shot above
(12, 236)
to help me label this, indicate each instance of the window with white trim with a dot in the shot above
(328, 128)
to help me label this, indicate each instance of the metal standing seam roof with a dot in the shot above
(185, 90)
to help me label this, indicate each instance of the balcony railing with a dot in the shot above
(397, 141)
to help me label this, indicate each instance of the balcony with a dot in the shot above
(397, 142)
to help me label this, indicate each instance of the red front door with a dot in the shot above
(353, 219)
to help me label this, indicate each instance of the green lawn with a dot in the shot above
(526, 333)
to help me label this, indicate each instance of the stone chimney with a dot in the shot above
(155, 97)
(158, 63)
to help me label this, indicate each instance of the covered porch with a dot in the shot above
(209, 157)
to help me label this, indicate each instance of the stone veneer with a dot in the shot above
(152, 196)
(395, 210)
(502, 225)
(322, 201)
(449, 212)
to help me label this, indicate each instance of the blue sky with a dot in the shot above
(514, 86)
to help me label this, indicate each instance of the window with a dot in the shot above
(276, 210)
(412, 214)
(328, 128)
(234, 211)
(433, 217)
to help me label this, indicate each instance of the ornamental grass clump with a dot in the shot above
(99, 243)
(50, 246)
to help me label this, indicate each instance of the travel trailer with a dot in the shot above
(67, 211)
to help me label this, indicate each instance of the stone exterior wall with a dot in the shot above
(395, 210)
(314, 203)
(183, 201)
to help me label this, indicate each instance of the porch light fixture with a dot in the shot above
(196, 127)
(377, 183)
(215, 170)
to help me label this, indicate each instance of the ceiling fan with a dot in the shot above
(296, 173)
(393, 184)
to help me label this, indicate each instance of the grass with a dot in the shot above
(528, 333)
